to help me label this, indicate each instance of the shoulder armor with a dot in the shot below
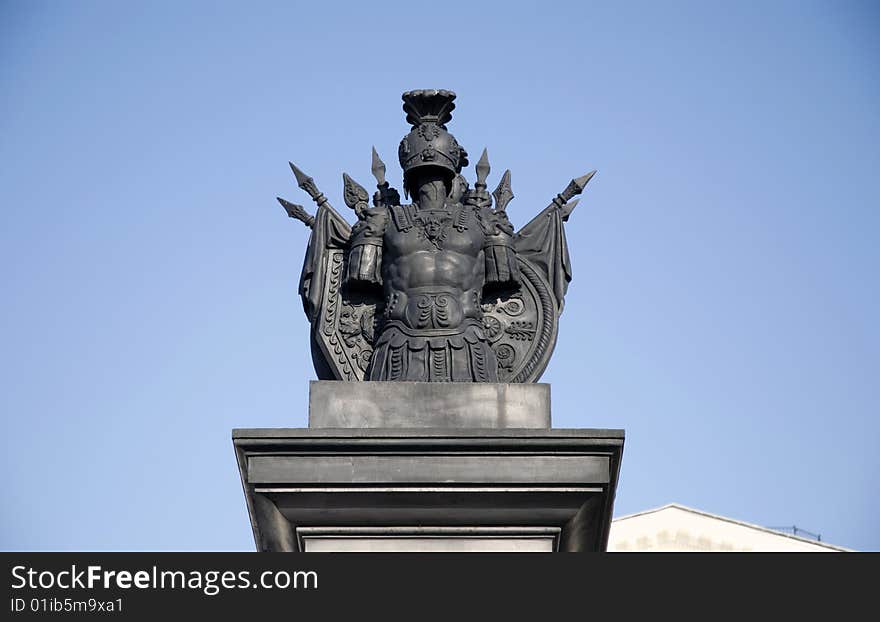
(403, 216)
(371, 228)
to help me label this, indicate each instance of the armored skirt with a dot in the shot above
(462, 356)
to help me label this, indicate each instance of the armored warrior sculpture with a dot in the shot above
(439, 290)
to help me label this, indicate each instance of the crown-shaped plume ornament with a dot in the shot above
(429, 106)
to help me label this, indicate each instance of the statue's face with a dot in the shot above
(433, 190)
(430, 184)
(432, 229)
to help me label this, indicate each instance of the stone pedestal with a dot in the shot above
(473, 482)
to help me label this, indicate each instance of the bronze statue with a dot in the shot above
(439, 290)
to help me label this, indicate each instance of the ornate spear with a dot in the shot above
(503, 193)
(308, 184)
(385, 194)
(297, 211)
(482, 171)
(378, 170)
(479, 192)
(573, 189)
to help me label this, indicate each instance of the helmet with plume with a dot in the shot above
(428, 143)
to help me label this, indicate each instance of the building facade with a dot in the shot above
(675, 527)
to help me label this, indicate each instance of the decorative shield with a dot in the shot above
(521, 327)
(346, 326)
(343, 325)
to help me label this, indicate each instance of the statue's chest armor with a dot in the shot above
(450, 230)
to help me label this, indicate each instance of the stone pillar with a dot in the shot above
(408, 466)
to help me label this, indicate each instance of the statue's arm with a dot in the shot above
(365, 252)
(502, 269)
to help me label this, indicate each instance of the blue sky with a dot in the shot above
(725, 297)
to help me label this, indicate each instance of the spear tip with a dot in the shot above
(582, 182)
(289, 207)
(568, 208)
(503, 193)
(483, 167)
(301, 178)
(378, 168)
(297, 211)
(576, 186)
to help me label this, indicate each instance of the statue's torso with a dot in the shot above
(433, 268)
